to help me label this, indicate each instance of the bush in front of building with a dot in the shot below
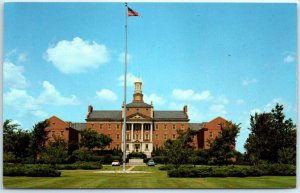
(37, 170)
(277, 169)
(159, 159)
(80, 165)
(107, 159)
(211, 171)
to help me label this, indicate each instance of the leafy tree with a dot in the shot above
(272, 137)
(39, 138)
(91, 139)
(9, 130)
(222, 148)
(55, 152)
(15, 141)
(179, 151)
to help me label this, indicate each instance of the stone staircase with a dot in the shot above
(136, 162)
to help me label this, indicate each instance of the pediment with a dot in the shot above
(138, 116)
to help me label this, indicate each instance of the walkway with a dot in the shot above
(128, 171)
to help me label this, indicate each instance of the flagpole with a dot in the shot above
(125, 79)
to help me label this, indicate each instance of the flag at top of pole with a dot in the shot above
(132, 13)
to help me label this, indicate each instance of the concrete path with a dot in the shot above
(120, 171)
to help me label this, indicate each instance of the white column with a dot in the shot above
(142, 132)
(151, 132)
(131, 126)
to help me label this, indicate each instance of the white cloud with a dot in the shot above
(77, 56)
(23, 103)
(289, 59)
(217, 109)
(194, 114)
(122, 58)
(13, 76)
(221, 99)
(51, 96)
(106, 95)
(130, 79)
(157, 100)
(22, 57)
(240, 102)
(246, 82)
(189, 94)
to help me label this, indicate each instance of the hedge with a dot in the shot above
(159, 159)
(30, 170)
(232, 171)
(80, 165)
(277, 169)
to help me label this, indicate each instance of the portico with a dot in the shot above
(139, 137)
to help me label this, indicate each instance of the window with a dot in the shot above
(127, 136)
(156, 146)
(127, 147)
(174, 126)
(146, 147)
(118, 126)
(53, 133)
(156, 136)
(182, 126)
(137, 136)
(100, 126)
(147, 136)
(165, 136)
(118, 136)
(108, 135)
(174, 136)
(53, 123)
(165, 126)
(118, 146)
(92, 125)
(156, 127)
(109, 126)
(210, 134)
(62, 133)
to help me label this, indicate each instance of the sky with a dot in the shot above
(220, 59)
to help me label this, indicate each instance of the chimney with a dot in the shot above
(185, 109)
(90, 109)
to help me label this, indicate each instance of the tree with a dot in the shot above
(38, 138)
(55, 152)
(91, 139)
(15, 141)
(272, 137)
(180, 150)
(222, 149)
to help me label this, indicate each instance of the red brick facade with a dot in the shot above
(146, 128)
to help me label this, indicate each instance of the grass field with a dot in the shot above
(156, 179)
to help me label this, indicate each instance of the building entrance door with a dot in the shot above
(137, 147)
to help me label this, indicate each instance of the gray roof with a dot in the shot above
(139, 104)
(170, 115)
(78, 126)
(117, 116)
(105, 116)
(196, 126)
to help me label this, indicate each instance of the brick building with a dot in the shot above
(146, 127)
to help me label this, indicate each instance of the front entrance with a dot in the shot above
(137, 147)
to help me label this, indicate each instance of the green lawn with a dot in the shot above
(156, 179)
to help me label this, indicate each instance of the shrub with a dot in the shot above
(159, 159)
(211, 171)
(88, 165)
(30, 170)
(277, 169)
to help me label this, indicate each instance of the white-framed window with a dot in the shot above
(62, 133)
(52, 133)
(146, 147)
(174, 127)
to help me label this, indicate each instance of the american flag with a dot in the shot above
(132, 13)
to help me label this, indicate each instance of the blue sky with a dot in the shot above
(228, 60)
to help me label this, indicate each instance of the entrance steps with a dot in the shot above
(136, 162)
